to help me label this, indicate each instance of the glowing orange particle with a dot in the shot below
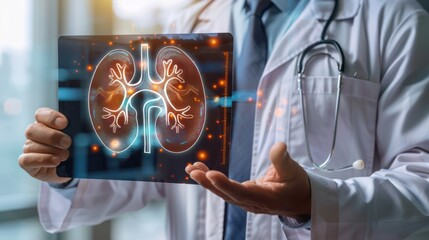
(89, 68)
(214, 86)
(95, 148)
(278, 112)
(217, 121)
(172, 41)
(209, 136)
(114, 144)
(186, 178)
(222, 82)
(130, 91)
(114, 154)
(161, 150)
(294, 111)
(214, 42)
(143, 64)
(202, 155)
(180, 86)
(110, 43)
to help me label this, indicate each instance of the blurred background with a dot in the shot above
(29, 30)
(28, 72)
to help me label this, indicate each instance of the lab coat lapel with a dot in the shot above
(307, 29)
(322, 9)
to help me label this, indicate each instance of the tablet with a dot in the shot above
(143, 107)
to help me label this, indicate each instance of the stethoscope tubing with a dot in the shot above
(359, 164)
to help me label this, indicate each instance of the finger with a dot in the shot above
(206, 183)
(197, 165)
(201, 166)
(247, 194)
(40, 133)
(232, 189)
(191, 168)
(51, 118)
(286, 168)
(34, 147)
(203, 181)
(199, 176)
(29, 161)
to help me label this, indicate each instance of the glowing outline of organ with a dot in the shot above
(125, 85)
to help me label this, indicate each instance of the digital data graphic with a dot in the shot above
(173, 100)
(143, 107)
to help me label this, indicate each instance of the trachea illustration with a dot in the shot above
(168, 106)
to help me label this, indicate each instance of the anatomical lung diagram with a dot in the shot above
(169, 107)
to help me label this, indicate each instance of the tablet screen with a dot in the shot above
(143, 107)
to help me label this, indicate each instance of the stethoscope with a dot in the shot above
(358, 164)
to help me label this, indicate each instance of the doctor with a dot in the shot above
(383, 120)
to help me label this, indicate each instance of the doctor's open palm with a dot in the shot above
(284, 190)
(46, 146)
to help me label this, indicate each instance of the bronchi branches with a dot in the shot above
(162, 89)
(173, 112)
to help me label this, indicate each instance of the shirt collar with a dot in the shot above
(285, 5)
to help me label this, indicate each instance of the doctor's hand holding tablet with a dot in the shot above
(46, 146)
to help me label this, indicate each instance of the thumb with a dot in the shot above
(286, 168)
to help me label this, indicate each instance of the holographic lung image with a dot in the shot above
(143, 107)
(173, 100)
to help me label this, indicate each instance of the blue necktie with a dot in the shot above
(249, 67)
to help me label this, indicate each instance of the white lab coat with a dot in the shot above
(383, 120)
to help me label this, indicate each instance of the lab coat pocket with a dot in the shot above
(355, 138)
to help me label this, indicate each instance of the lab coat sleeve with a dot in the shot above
(392, 203)
(93, 202)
